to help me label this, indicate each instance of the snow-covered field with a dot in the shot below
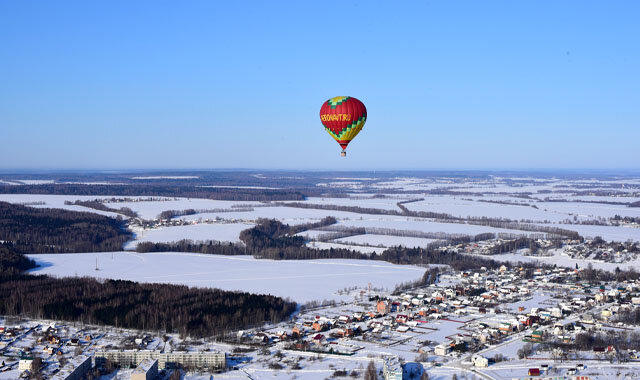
(461, 206)
(56, 201)
(424, 225)
(288, 215)
(361, 249)
(225, 232)
(385, 241)
(151, 209)
(303, 281)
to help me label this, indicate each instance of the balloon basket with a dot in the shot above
(343, 154)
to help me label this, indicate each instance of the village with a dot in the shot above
(502, 323)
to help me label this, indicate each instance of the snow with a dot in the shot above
(378, 203)
(361, 249)
(224, 232)
(302, 280)
(57, 201)
(35, 181)
(425, 225)
(589, 210)
(610, 233)
(167, 177)
(456, 206)
(385, 241)
(151, 209)
(288, 215)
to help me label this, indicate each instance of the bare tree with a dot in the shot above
(371, 372)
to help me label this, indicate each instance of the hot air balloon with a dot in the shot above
(343, 117)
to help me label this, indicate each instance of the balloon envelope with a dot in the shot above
(343, 117)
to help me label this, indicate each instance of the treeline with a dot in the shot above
(593, 275)
(230, 194)
(625, 219)
(97, 205)
(170, 214)
(43, 230)
(520, 243)
(12, 262)
(619, 339)
(165, 307)
(211, 247)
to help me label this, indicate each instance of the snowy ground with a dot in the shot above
(56, 201)
(385, 241)
(303, 281)
(225, 232)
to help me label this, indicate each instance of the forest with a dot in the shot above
(97, 205)
(44, 230)
(220, 193)
(165, 307)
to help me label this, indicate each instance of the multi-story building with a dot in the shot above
(215, 360)
(146, 370)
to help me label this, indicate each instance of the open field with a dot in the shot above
(302, 281)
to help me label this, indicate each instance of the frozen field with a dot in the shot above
(303, 280)
(424, 225)
(385, 241)
(358, 248)
(611, 233)
(151, 209)
(288, 215)
(457, 206)
(379, 203)
(57, 201)
(225, 232)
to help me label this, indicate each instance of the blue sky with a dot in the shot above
(239, 84)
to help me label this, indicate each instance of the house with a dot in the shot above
(442, 350)
(382, 307)
(319, 326)
(392, 370)
(318, 339)
(480, 361)
(401, 318)
(25, 363)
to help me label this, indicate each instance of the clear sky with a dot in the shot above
(239, 84)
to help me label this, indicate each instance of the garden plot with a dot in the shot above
(302, 280)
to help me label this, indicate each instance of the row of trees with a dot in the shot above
(97, 205)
